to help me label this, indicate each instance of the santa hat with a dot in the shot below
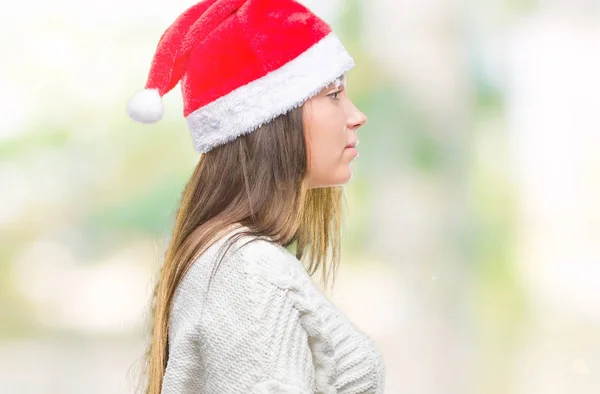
(241, 64)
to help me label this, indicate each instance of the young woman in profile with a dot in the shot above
(264, 90)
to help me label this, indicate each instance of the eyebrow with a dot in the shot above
(339, 80)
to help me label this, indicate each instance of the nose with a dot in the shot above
(356, 118)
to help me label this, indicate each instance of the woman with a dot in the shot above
(263, 85)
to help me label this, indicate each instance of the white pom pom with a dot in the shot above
(145, 106)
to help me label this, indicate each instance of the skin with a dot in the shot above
(331, 123)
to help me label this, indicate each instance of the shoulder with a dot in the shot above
(251, 254)
(254, 277)
(269, 261)
(237, 270)
(234, 262)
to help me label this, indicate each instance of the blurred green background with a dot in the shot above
(471, 248)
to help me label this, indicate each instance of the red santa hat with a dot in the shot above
(241, 64)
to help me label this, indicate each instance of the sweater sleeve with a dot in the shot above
(281, 343)
(257, 333)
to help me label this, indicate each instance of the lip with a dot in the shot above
(353, 144)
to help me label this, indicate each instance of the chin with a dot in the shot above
(347, 174)
(337, 181)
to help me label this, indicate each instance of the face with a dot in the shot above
(331, 122)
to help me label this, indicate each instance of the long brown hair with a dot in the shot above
(258, 181)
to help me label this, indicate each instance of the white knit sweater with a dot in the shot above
(264, 328)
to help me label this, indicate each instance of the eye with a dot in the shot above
(335, 95)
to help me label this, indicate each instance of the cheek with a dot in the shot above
(327, 125)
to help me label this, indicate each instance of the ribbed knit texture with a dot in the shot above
(264, 328)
